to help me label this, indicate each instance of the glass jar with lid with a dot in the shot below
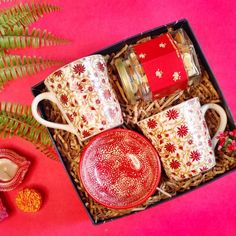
(158, 67)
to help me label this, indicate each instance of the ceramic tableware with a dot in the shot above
(120, 168)
(83, 94)
(181, 137)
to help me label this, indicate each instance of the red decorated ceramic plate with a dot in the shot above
(120, 168)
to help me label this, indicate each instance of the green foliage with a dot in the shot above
(17, 119)
(20, 37)
(13, 66)
(23, 15)
(14, 33)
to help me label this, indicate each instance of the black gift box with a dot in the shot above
(37, 89)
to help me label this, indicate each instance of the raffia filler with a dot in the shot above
(70, 148)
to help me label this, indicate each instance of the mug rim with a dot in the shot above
(85, 57)
(66, 65)
(172, 107)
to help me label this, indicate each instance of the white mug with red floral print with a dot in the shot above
(85, 97)
(182, 139)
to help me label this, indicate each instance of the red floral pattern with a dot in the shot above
(79, 69)
(84, 118)
(210, 143)
(182, 131)
(181, 144)
(107, 94)
(64, 99)
(112, 113)
(195, 155)
(172, 114)
(174, 164)
(100, 66)
(189, 163)
(70, 117)
(90, 89)
(85, 107)
(58, 73)
(204, 168)
(86, 133)
(232, 146)
(80, 87)
(151, 124)
(190, 141)
(170, 147)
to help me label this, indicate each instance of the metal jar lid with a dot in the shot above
(125, 80)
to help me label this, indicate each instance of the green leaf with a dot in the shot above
(14, 66)
(17, 119)
(19, 37)
(23, 15)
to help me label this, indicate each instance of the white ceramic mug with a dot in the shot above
(85, 97)
(182, 139)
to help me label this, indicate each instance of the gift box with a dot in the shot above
(207, 91)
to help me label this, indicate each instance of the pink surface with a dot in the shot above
(92, 25)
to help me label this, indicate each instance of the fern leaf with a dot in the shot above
(14, 66)
(10, 125)
(24, 15)
(17, 119)
(20, 37)
(12, 112)
(21, 112)
(48, 151)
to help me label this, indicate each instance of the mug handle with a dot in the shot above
(223, 119)
(49, 96)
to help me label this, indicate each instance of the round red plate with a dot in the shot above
(120, 168)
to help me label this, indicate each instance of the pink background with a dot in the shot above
(92, 25)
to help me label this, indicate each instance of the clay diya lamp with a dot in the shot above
(120, 169)
(13, 168)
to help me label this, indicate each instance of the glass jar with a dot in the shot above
(188, 55)
(136, 82)
(133, 78)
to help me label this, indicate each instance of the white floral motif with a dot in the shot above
(142, 55)
(159, 73)
(176, 76)
(162, 45)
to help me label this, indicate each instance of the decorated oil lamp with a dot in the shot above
(158, 67)
(13, 168)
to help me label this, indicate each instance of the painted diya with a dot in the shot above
(13, 168)
(120, 169)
